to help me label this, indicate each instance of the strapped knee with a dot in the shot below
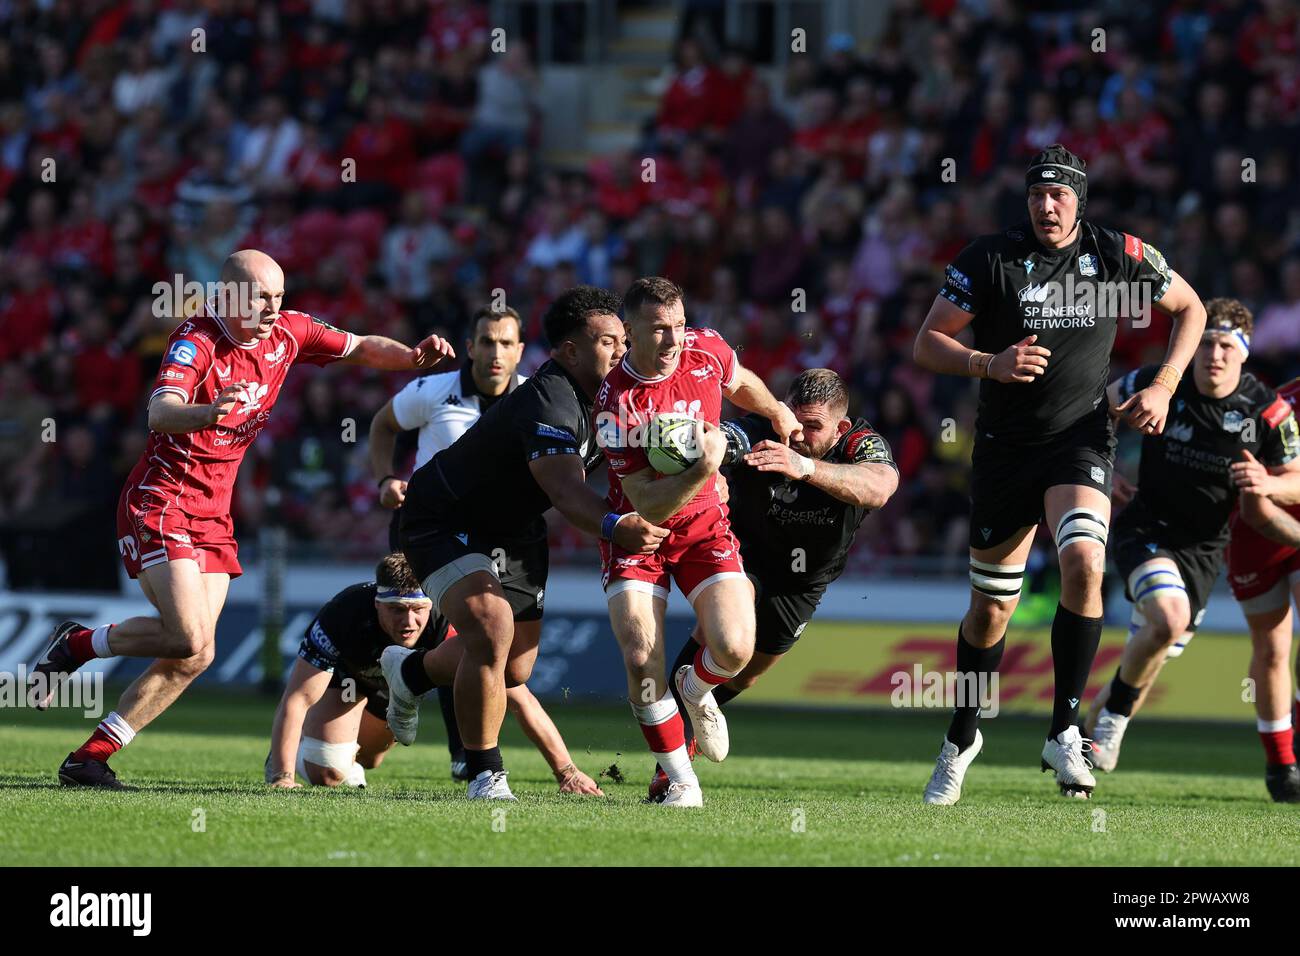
(1001, 582)
(1080, 524)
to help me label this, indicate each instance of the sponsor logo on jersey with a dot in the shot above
(1182, 431)
(702, 372)
(222, 372)
(251, 397)
(1133, 247)
(693, 409)
(1087, 264)
(627, 562)
(454, 400)
(173, 375)
(278, 355)
(550, 431)
(1033, 293)
(178, 536)
(785, 492)
(720, 555)
(1233, 421)
(1098, 474)
(182, 352)
(1276, 412)
(1156, 258)
(958, 278)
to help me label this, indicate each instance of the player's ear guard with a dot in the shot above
(737, 443)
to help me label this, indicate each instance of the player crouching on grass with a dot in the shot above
(332, 714)
(669, 367)
(1170, 539)
(796, 510)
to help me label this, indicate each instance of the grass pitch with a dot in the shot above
(798, 788)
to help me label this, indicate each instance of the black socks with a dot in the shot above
(413, 674)
(1122, 696)
(983, 662)
(1074, 645)
(476, 761)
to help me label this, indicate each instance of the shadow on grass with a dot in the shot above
(1157, 746)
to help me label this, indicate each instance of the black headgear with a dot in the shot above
(1057, 165)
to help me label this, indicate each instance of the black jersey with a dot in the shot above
(1184, 484)
(1072, 299)
(346, 639)
(482, 481)
(792, 535)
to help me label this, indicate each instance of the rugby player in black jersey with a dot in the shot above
(1044, 300)
(1170, 538)
(473, 531)
(330, 725)
(795, 510)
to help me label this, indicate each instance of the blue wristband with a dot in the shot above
(607, 525)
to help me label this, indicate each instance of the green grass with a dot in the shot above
(1185, 794)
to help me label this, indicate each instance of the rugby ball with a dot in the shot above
(671, 446)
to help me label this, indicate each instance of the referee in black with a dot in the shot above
(1044, 300)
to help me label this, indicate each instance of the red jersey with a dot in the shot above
(196, 470)
(1248, 543)
(706, 365)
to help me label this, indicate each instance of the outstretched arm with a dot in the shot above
(565, 483)
(541, 730)
(378, 351)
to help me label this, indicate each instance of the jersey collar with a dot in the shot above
(212, 313)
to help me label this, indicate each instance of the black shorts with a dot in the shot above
(521, 561)
(781, 616)
(1137, 541)
(1008, 482)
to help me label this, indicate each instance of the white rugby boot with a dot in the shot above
(944, 788)
(1073, 771)
(403, 706)
(1106, 738)
(356, 776)
(711, 737)
(682, 795)
(490, 786)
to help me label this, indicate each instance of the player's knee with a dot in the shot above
(732, 652)
(517, 673)
(1270, 654)
(198, 656)
(1168, 621)
(987, 620)
(331, 777)
(638, 652)
(1083, 565)
(369, 761)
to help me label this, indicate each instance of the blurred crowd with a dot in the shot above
(803, 209)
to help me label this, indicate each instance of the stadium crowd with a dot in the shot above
(804, 210)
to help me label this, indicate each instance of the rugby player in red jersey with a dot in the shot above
(1264, 571)
(218, 382)
(671, 368)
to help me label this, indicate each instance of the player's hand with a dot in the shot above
(1147, 410)
(431, 351)
(1121, 490)
(635, 535)
(771, 456)
(285, 783)
(1022, 362)
(225, 402)
(786, 426)
(1251, 477)
(573, 780)
(712, 440)
(392, 493)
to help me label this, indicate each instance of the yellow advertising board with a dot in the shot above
(842, 664)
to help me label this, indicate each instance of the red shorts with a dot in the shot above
(699, 552)
(151, 530)
(1260, 571)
